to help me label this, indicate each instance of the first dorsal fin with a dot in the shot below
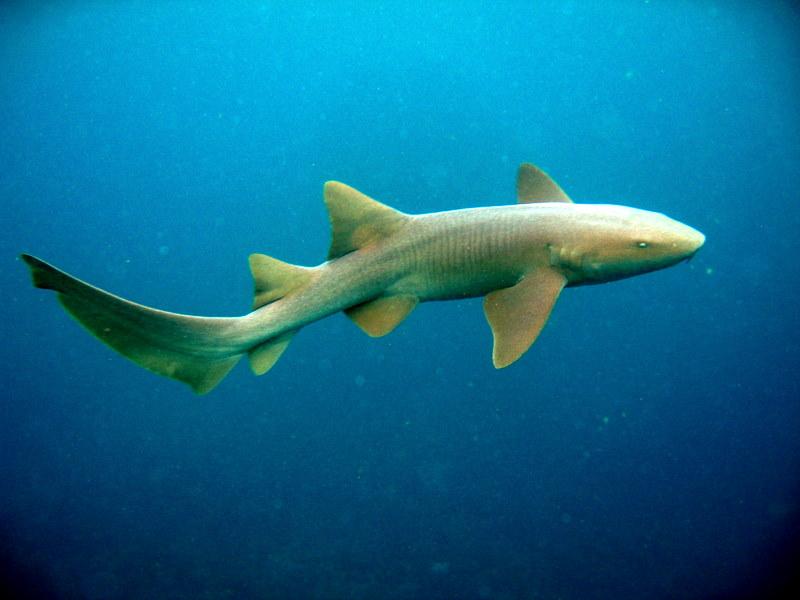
(357, 220)
(274, 278)
(534, 185)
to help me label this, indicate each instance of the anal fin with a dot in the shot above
(264, 356)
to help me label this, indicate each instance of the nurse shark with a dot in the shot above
(382, 263)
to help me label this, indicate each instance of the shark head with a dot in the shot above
(625, 241)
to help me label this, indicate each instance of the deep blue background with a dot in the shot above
(646, 447)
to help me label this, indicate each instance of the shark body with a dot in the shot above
(382, 263)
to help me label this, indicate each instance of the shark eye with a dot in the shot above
(642, 244)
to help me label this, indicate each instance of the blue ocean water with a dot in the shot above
(646, 447)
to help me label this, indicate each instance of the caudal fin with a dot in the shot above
(198, 351)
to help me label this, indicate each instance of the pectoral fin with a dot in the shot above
(518, 313)
(534, 185)
(379, 317)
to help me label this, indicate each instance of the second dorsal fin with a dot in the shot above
(534, 185)
(357, 220)
(274, 278)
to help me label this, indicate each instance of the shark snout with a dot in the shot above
(689, 242)
(696, 240)
(685, 240)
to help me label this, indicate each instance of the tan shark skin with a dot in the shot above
(382, 263)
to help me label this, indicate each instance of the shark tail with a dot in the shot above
(199, 351)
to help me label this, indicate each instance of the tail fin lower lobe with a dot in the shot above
(194, 350)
